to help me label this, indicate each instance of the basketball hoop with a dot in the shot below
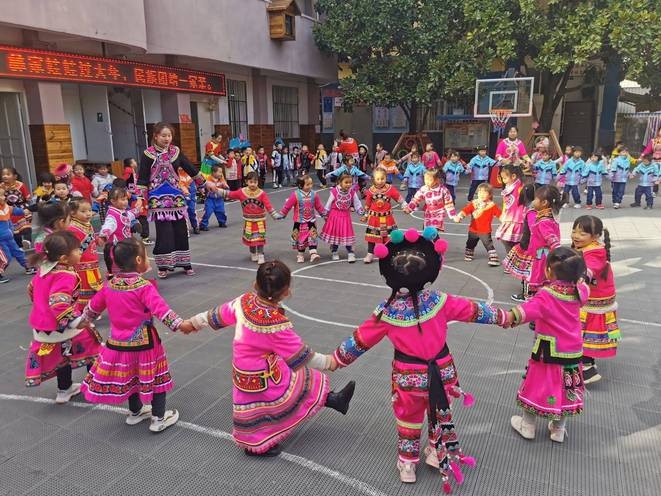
(499, 119)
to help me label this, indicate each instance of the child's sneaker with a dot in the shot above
(136, 418)
(314, 256)
(351, 257)
(260, 259)
(253, 257)
(519, 298)
(431, 458)
(588, 207)
(577, 205)
(494, 261)
(3, 279)
(369, 258)
(147, 242)
(566, 205)
(527, 431)
(600, 207)
(590, 374)
(160, 424)
(468, 255)
(335, 256)
(64, 396)
(26, 245)
(557, 433)
(406, 472)
(30, 271)
(616, 206)
(300, 258)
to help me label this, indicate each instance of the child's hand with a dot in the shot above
(83, 324)
(457, 219)
(509, 320)
(333, 364)
(363, 218)
(186, 327)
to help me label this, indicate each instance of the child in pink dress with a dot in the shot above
(57, 345)
(553, 385)
(338, 229)
(278, 383)
(511, 221)
(544, 233)
(255, 204)
(306, 204)
(424, 376)
(601, 332)
(51, 217)
(438, 203)
(132, 365)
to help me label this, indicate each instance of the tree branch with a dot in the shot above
(561, 88)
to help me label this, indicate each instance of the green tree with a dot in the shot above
(401, 52)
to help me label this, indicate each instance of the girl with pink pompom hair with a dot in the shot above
(424, 377)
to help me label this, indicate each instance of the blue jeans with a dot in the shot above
(618, 192)
(644, 190)
(594, 191)
(576, 196)
(450, 188)
(213, 206)
(192, 214)
(410, 194)
(12, 250)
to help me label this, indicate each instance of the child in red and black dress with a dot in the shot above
(255, 204)
(483, 211)
(18, 196)
(88, 266)
(378, 208)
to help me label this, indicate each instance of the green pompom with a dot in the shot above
(397, 236)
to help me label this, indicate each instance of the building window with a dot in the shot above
(285, 112)
(237, 103)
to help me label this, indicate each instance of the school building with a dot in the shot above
(83, 80)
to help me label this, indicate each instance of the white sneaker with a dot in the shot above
(314, 256)
(26, 245)
(253, 257)
(64, 396)
(260, 259)
(300, 258)
(335, 256)
(351, 257)
(616, 206)
(170, 418)
(566, 205)
(431, 458)
(527, 431)
(136, 418)
(368, 258)
(406, 472)
(577, 205)
(557, 433)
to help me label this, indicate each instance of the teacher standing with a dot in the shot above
(158, 182)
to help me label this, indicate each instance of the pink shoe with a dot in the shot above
(314, 256)
(162, 274)
(588, 207)
(600, 207)
(189, 272)
(406, 472)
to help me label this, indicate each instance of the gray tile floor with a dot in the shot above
(612, 449)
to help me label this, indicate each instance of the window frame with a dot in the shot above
(286, 121)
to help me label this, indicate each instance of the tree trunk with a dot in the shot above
(555, 87)
(413, 118)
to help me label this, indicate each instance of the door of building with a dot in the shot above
(203, 119)
(13, 147)
(578, 125)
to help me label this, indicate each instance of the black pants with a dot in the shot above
(321, 175)
(256, 249)
(64, 380)
(334, 248)
(262, 178)
(171, 249)
(144, 226)
(279, 176)
(25, 234)
(370, 247)
(157, 404)
(234, 184)
(474, 238)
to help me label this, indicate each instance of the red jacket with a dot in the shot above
(83, 186)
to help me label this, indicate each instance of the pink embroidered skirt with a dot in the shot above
(265, 418)
(338, 229)
(552, 390)
(518, 263)
(44, 359)
(510, 231)
(116, 375)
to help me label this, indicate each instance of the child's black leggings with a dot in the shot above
(157, 404)
(334, 248)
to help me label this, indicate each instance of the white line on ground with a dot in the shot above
(356, 484)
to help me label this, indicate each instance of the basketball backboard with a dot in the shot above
(513, 94)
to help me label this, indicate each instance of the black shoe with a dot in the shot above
(3, 279)
(532, 326)
(30, 271)
(273, 451)
(340, 401)
(635, 205)
(590, 375)
(222, 225)
(520, 298)
(204, 228)
(196, 230)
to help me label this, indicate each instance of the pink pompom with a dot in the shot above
(468, 460)
(458, 475)
(447, 488)
(469, 400)
(380, 251)
(411, 235)
(441, 246)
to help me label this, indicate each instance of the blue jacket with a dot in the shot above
(355, 172)
(594, 172)
(480, 167)
(545, 171)
(6, 227)
(414, 174)
(647, 174)
(619, 172)
(453, 171)
(572, 171)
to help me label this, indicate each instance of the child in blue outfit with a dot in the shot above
(480, 166)
(8, 244)
(648, 175)
(545, 170)
(215, 204)
(572, 172)
(349, 167)
(453, 170)
(619, 173)
(413, 175)
(593, 173)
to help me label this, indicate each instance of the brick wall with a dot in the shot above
(262, 134)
